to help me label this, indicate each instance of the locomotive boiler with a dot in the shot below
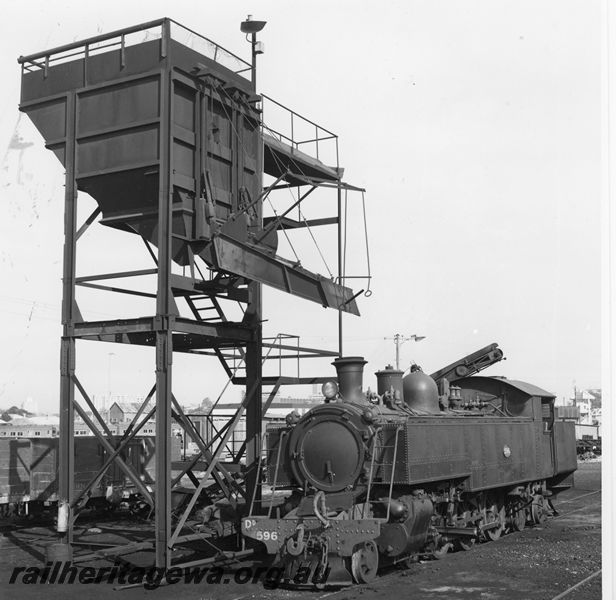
(366, 479)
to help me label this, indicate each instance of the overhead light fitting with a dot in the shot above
(250, 26)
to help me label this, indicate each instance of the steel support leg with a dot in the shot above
(254, 408)
(254, 357)
(164, 339)
(162, 496)
(66, 447)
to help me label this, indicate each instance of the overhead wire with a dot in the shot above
(239, 139)
(282, 168)
(344, 245)
(368, 291)
(284, 231)
(315, 242)
(301, 215)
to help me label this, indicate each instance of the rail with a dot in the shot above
(164, 29)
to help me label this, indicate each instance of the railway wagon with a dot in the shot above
(29, 470)
(383, 478)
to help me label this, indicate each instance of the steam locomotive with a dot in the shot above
(368, 479)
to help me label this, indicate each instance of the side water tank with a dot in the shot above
(421, 392)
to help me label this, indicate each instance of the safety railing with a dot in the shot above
(280, 345)
(161, 29)
(299, 132)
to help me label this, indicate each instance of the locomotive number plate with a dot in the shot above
(260, 534)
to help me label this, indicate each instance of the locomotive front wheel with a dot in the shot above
(442, 551)
(465, 543)
(539, 510)
(365, 562)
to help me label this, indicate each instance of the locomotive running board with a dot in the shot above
(232, 256)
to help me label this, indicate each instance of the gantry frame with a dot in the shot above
(165, 329)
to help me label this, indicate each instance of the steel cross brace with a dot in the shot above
(274, 224)
(129, 434)
(139, 412)
(190, 429)
(88, 222)
(212, 465)
(270, 399)
(199, 455)
(134, 477)
(123, 444)
(221, 477)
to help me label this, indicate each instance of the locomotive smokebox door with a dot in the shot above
(329, 448)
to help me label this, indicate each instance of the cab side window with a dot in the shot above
(547, 413)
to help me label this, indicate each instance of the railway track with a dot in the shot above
(590, 493)
(577, 585)
(561, 515)
(454, 578)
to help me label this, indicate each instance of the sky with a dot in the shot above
(475, 128)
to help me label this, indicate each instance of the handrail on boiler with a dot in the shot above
(393, 470)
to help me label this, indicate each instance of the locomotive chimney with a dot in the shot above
(350, 372)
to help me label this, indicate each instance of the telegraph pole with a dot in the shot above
(399, 340)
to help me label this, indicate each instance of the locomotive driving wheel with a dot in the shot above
(518, 517)
(496, 513)
(467, 519)
(539, 509)
(365, 562)
(442, 551)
